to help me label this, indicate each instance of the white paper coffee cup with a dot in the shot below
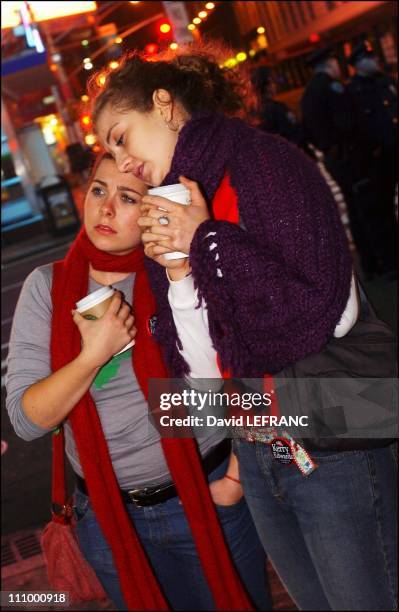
(94, 305)
(178, 194)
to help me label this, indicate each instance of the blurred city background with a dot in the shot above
(49, 50)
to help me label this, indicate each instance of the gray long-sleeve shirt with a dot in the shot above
(134, 444)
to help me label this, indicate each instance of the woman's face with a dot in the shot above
(111, 209)
(141, 143)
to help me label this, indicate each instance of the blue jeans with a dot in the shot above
(166, 537)
(331, 536)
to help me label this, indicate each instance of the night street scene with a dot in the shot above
(224, 177)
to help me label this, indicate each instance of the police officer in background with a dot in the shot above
(325, 109)
(327, 118)
(374, 98)
(273, 116)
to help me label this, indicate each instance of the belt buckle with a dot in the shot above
(134, 499)
(141, 503)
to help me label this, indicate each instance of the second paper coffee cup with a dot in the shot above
(94, 305)
(178, 194)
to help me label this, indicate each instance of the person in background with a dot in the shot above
(328, 126)
(374, 98)
(273, 116)
(324, 109)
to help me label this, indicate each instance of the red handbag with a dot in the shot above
(67, 569)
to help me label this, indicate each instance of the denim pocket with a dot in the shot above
(81, 506)
(330, 456)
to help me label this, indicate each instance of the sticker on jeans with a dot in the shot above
(281, 450)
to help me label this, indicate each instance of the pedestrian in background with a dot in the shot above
(273, 116)
(325, 110)
(328, 126)
(148, 550)
(375, 153)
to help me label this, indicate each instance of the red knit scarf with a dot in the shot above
(138, 583)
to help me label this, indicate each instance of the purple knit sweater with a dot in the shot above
(275, 290)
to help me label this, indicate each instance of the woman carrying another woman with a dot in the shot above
(145, 518)
(270, 260)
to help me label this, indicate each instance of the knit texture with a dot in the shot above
(275, 285)
(138, 583)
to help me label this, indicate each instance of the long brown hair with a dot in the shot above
(193, 74)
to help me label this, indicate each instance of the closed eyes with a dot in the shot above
(119, 142)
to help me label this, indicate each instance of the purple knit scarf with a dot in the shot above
(286, 276)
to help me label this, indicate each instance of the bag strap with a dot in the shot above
(61, 511)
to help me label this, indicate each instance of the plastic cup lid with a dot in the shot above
(167, 189)
(94, 298)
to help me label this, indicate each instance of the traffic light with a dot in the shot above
(164, 32)
(151, 49)
(314, 38)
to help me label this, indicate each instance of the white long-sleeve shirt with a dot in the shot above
(193, 330)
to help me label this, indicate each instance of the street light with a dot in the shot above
(85, 120)
(231, 62)
(90, 139)
(101, 80)
(165, 28)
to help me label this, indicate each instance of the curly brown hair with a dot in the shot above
(193, 74)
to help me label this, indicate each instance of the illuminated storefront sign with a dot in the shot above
(42, 11)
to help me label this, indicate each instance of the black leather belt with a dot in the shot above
(150, 496)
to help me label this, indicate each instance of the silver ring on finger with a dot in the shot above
(163, 220)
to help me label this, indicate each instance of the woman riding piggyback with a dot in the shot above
(267, 261)
(265, 242)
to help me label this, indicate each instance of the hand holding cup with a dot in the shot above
(111, 333)
(164, 241)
